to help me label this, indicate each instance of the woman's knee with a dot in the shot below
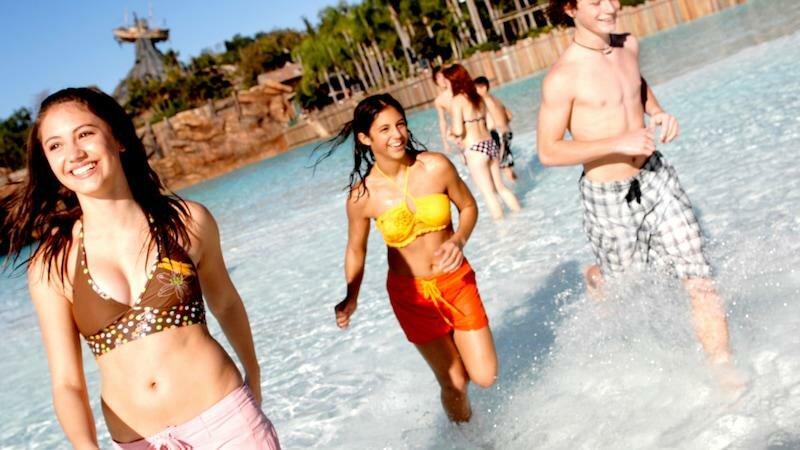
(485, 377)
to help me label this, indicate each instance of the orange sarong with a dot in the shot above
(429, 308)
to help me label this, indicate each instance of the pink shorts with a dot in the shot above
(235, 422)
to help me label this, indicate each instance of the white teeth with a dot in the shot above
(83, 169)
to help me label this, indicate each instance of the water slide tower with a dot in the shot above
(149, 60)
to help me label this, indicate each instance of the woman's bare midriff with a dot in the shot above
(417, 258)
(165, 379)
(613, 168)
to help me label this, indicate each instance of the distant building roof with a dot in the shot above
(287, 73)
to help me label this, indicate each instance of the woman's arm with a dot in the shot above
(457, 117)
(63, 347)
(223, 300)
(354, 257)
(440, 112)
(450, 253)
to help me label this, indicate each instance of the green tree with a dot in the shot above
(13, 136)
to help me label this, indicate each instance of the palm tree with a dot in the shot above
(498, 28)
(475, 17)
(315, 59)
(523, 23)
(403, 34)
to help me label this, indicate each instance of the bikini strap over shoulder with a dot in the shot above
(405, 181)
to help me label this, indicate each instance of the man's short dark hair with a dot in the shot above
(557, 15)
(481, 81)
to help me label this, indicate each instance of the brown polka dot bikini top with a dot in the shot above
(171, 298)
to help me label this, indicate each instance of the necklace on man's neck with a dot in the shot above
(605, 50)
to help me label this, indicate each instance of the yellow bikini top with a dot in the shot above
(400, 226)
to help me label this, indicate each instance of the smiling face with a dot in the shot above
(81, 150)
(596, 16)
(388, 135)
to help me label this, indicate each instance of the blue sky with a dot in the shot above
(48, 45)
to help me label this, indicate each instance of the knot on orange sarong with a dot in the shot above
(431, 292)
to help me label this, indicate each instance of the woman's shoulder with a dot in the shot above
(202, 229)
(197, 218)
(359, 194)
(197, 211)
(460, 99)
(432, 157)
(435, 163)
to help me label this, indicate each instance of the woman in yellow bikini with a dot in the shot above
(431, 286)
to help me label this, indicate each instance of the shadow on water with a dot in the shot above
(524, 343)
(526, 338)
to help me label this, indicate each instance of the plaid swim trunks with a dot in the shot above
(504, 142)
(644, 220)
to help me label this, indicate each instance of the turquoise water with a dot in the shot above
(574, 374)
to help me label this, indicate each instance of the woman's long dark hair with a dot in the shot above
(365, 113)
(461, 83)
(44, 209)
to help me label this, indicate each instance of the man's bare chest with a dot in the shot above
(608, 83)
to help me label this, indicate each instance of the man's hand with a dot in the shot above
(669, 126)
(637, 142)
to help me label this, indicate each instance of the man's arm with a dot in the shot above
(649, 102)
(554, 116)
(668, 122)
(502, 108)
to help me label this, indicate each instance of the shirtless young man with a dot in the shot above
(497, 122)
(443, 104)
(635, 211)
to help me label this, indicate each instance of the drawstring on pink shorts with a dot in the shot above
(165, 440)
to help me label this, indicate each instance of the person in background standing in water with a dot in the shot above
(432, 288)
(127, 267)
(497, 122)
(442, 103)
(481, 153)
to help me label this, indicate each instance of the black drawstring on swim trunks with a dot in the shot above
(634, 192)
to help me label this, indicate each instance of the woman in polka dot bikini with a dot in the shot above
(127, 267)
